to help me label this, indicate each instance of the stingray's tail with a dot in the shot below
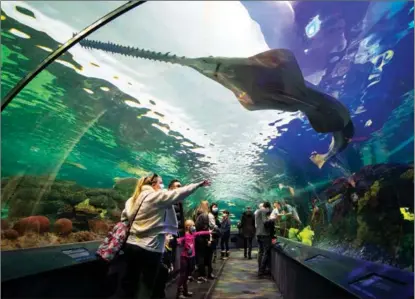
(339, 143)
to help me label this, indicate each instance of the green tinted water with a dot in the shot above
(70, 136)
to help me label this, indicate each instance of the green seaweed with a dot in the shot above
(408, 175)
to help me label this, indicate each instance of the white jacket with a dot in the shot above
(156, 213)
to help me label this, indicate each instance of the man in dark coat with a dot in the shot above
(247, 226)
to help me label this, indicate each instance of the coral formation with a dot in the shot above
(9, 234)
(372, 198)
(78, 214)
(125, 186)
(98, 226)
(28, 195)
(31, 240)
(39, 224)
(4, 224)
(408, 175)
(63, 226)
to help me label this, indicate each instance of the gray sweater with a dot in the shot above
(260, 219)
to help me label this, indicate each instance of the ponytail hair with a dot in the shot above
(147, 180)
(203, 207)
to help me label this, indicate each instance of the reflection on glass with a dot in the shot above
(76, 137)
(26, 24)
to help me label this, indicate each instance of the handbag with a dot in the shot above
(116, 238)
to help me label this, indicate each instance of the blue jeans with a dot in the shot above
(264, 243)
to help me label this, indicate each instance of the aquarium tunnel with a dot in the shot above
(305, 108)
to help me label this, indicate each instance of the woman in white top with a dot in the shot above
(145, 243)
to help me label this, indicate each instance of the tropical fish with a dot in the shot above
(77, 165)
(271, 80)
(125, 181)
(127, 167)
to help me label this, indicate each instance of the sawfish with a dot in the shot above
(271, 80)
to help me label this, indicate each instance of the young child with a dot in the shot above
(225, 228)
(188, 252)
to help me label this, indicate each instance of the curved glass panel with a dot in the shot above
(18, 38)
(93, 119)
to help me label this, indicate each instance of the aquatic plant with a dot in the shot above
(379, 206)
(125, 186)
(306, 235)
(333, 199)
(86, 207)
(4, 211)
(406, 214)
(408, 175)
(369, 195)
(292, 233)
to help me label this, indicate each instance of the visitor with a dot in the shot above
(174, 184)
(225, 228)
(263, 235)
(260, 206)
(165, 270)
(170, 216)
(188, 252)
(216, 232)
(145, 244)
(276, 211)
(247, 226)
(292, 211)
(205, 221)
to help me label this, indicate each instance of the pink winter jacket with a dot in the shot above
(188, 242)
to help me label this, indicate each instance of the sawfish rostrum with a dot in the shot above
(271, 80)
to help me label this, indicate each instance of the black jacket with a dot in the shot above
(248, 224)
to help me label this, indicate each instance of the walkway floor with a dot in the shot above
(200, 291)
(239, 280)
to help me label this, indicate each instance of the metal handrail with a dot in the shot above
(69, 44)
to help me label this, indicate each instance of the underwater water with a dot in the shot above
(93, 119)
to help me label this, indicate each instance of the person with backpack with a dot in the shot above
(146, 211)
(205, 221)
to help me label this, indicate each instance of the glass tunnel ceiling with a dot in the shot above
(127, 117)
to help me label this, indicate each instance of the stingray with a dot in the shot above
(271, 80)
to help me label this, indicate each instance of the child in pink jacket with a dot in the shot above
(188, 252)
